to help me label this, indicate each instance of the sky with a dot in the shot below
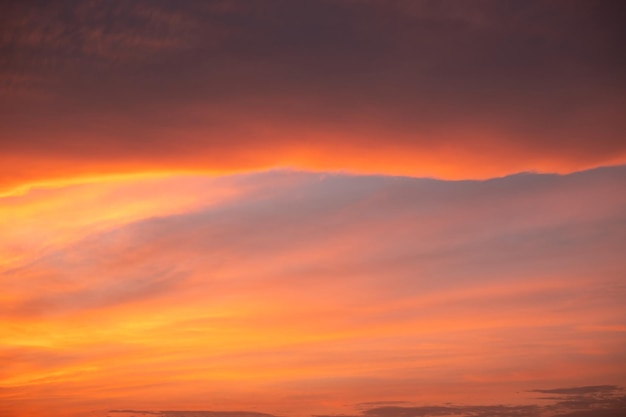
(312, 208)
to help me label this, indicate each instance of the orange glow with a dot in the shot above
(146, 293)
(465, 156)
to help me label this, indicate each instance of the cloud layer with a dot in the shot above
(473, 90)
(296, 294)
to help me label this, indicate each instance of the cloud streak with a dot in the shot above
(349, 289)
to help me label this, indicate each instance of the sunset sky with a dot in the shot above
(298, 208)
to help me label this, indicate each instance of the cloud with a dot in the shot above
(594, 389)
(611, 405)
(56, 34)
(473, 90)
(245, 292)
(600, 400)
(588, 404)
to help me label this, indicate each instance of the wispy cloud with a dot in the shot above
(352, 289)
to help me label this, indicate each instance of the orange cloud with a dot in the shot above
(245, 292)
(410, 88)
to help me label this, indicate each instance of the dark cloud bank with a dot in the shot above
(587, 401)
(158, 83)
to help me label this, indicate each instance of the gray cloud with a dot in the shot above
(611, 403)
(156, 83)
(592, 389)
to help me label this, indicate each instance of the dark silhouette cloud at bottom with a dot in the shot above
(586, 401)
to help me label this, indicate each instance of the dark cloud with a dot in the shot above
(592, 389)
(611, 404)
(594, 400)
(229, 84)
(595, 413)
